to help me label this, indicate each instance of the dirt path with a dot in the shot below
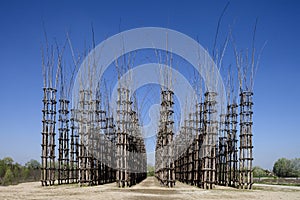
(148, 189)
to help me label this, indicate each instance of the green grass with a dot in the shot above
(278, 183)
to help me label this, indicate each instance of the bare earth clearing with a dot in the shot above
(148, 189)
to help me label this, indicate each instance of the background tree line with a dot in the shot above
(150, 170)
(283, 167)
(14, 173)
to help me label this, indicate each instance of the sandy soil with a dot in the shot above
(148, 189)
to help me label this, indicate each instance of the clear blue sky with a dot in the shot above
(277, 91)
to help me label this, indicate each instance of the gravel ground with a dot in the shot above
(148, 189)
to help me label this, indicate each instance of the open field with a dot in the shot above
(278, 181)
(148, 189)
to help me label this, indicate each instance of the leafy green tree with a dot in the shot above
(33, 167)
(5, 163)
(8, 177)
(282, 167)
(287, 168)
(33, 164)
(17, 171)
(259, 172)
(8, 161)
(150, 170)
(25, 173)
(2, 168)
(295, 163)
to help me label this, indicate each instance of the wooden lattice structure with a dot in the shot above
(74, 143)
(48, 137)
(96, 147)
(85, 158)
(231, 146)
(164, 146)
(130, 147)
(221, 151)
(123, 114)
(245, 170)
(63, 142)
